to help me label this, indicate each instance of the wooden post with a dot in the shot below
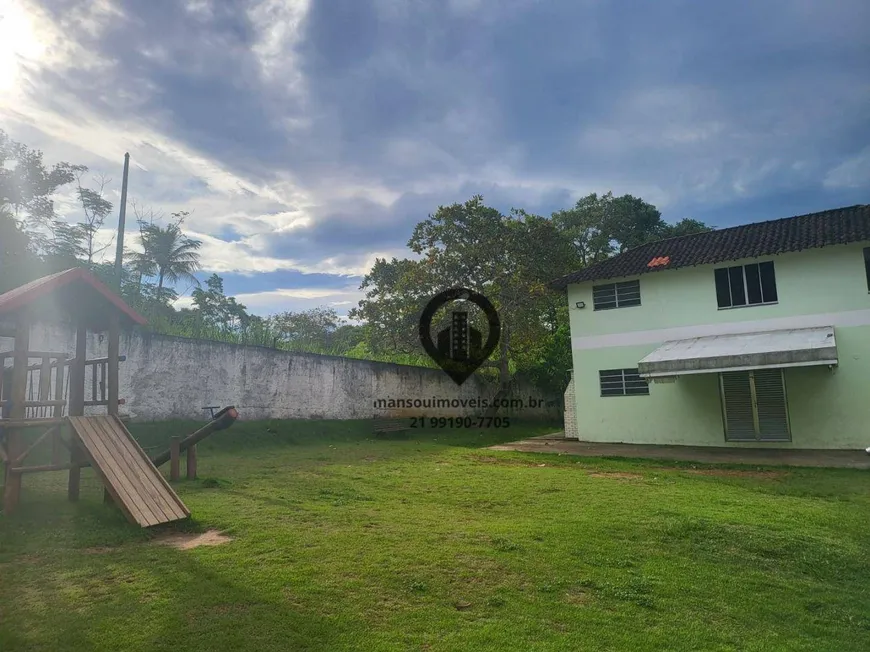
(57, 447)
(77, 408)
(174, 446)
(12, 489)
(191, 463)
(110, 377)
(113, 362)
(44, 383)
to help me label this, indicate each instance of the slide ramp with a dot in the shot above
(135, 484)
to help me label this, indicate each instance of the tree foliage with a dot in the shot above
(508, 257)
(601, 226)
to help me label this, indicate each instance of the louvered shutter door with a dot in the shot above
(737, 396)
(770, 401)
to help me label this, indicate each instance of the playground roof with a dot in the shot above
(76, 292)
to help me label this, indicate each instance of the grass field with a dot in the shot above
(342, 542)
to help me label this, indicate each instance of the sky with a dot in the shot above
(306, 139)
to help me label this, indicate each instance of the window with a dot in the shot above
(754, 405)
(616, 295)
(867, 265)
(622, 382)
(745, 285)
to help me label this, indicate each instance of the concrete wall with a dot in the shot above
(827, 409)
(173, 378)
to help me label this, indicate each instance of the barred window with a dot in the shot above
(616, 295)
(622, 382)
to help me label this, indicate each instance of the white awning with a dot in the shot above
(798, 347)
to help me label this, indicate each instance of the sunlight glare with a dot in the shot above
(18, 42)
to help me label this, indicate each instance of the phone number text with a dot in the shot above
(460, 422)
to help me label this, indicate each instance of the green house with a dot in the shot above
(756, 335)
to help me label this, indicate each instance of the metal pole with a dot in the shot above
(119, 254)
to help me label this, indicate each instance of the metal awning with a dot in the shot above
(799, 347)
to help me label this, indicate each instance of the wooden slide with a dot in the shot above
(131, 479)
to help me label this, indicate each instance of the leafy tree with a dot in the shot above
(216, 309)
(507, 258)
(18, 260)
(167, 254)
(26, 184)
(308, 329)
(96, 208)
(345, 337)
(600, 226)
(65, 247)
(686, 226)
(396, 292)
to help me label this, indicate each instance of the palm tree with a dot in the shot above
(168, 254)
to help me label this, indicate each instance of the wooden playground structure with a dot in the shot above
(44, 389)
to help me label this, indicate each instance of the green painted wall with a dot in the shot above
(827, 409)
(815, 281)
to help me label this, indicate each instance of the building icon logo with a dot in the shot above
(460, 348)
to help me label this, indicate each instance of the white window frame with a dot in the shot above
(624, 303)
(622, 372)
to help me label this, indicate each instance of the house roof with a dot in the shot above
(75, 291)
(789, 234)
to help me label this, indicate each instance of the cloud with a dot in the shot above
(308, 138)
(851, 173)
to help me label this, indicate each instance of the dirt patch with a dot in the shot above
(577, 596)
(25, 559)
(186, 541)
(734, 473)
(99, 550)
(617, 475)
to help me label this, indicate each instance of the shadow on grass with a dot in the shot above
(158, 598)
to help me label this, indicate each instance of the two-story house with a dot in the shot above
(754, 335)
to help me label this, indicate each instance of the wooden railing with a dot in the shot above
(48, 384)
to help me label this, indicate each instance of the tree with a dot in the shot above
(507, 258)
(307, 329)
(18, 260)
(216, 309)
(396, 292)
(344, 338)
(599, 227)
(26, 187)
(167, 254)
(686, 226)
(26, 184)
(96, 208)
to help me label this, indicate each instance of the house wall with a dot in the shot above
(827, 409)
(168, 377)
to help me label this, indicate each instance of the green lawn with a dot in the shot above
(343, 542)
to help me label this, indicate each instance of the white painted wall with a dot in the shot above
(174, 378)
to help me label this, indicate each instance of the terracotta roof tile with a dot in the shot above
(823, 229)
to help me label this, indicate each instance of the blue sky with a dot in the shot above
(307, 138)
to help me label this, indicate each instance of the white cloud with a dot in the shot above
(851, 173)
(277, 24)
(297, 299)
